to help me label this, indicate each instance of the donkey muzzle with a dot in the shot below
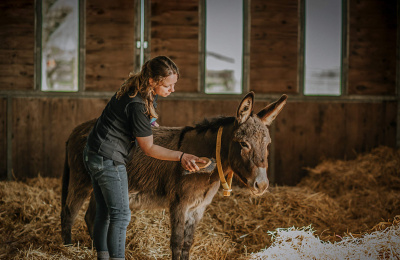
(261, 182)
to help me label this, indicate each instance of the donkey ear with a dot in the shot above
(245, 108)
(269, 113)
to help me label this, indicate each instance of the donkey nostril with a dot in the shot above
(256, 185)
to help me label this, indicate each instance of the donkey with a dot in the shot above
(161, 184)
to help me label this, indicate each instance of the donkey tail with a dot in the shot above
(65, 179)
(65, 212)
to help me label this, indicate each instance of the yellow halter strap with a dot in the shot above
(226, 184)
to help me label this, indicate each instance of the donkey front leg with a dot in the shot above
(177, 215)
(193, 218)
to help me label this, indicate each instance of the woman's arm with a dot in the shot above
(188, 161)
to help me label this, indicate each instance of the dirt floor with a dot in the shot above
(338, 200)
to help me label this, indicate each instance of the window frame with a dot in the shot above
(344, 52)
(38, 49)
(245, 50)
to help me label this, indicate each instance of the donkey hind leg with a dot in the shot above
(90, 215)
(192, 219)
(178, 218)
(74, 202)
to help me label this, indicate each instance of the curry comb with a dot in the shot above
(207, 167)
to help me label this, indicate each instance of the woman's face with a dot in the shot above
(166, 86)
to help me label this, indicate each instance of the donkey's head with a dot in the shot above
(248, 152)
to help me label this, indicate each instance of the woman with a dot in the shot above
(127, 119)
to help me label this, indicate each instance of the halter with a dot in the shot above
(226, 184)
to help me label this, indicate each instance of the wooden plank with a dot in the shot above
(174, 33)
(372, 47)
(16, 54)
(306, 133)
(41, 127)
(20, 72)
(175, 112)
(17, 45)
(274, 46)
(260, 22)
(174, 17)
(384, 77)
(177, 5)
(182, 31)
(187, 112)
(178, 32)
(104, 32)
(273, 79)
(273, 73)
(273, 53)
(179, 44)
(109, 43)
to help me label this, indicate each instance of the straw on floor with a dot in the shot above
(340, 201)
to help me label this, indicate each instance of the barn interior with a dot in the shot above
(334, 161)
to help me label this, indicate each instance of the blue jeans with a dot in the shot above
(110, 188)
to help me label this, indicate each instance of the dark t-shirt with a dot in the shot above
(115, 131)
(139, 121)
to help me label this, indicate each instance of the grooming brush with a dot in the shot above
(207, 167)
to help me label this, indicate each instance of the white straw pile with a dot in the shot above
(302, 244)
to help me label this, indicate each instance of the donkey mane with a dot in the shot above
(207, 124)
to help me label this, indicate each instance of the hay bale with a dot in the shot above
(379, 168)
(366, 187)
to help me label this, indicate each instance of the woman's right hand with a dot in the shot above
(188, 162)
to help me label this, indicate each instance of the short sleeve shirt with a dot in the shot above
(139, 120)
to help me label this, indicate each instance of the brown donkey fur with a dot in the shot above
(160, 184)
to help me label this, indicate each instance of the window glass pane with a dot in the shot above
(323, 40)
(224, 46)
(60, 45)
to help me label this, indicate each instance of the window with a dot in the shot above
(224, 46)
(323, 42)
(60, 45)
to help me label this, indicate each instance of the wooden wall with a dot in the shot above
(175, 32)
(187, 112)
(109, 43)
(41, 127)
(308, 132)
(17, 45)
(274, 46)
(373, 40)
(308, 129)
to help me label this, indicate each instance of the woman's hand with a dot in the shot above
(188, 162)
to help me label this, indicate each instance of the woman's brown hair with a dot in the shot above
(157, 69)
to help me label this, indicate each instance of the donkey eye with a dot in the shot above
(244, 145)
